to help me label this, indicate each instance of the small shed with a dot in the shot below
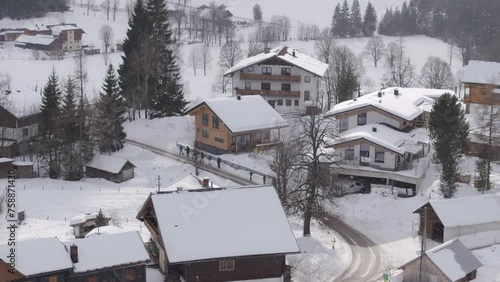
(23, 169)
(83, 224)
(452, 218)
(5, 166)
(450, 261)
(110, 168)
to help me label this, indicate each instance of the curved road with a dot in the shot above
(367, 258)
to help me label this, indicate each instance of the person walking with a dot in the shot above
(202, 157)
(218, 162)
(187, 151)
(251, 173)
(264, 179)
(181, 150)
(209, 158)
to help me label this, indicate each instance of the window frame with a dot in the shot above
(361, 116)
(307, 95)
(344, 124)
(361, 151)
(279, 102)
(204, 119)
(250, 69)
(248, 85)
(288, 102)
(227, 265)
(286, 87)
(296, 103)
(377, 156)
(219, 140)
(267, 70)
(204, 134)
(215, 122)
(266, 84)
(25, 131)
(349, 154)
(286, 71)
(307, 79)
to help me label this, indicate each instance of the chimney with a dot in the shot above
(267, 50)
(396, 92)
(206, 182)
(73, 253)
(293, 53)
(238, 97)
(380, 93)
(374, 129)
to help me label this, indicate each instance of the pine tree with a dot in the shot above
(369, 20)
(257, 13)
(385, 25)
(449, 131)
(344, 21)
(167, 97)
(110, 115)
(335, 28)
(356, 20)
(100, 219)
(49, 126)
(405, 19)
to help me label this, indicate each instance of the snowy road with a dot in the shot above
(367, 257)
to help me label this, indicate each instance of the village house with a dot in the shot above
(10, 34)
(19, 114)
(448, 262)
(22, 169)
(240, 245)
(110, 168)
(461, 217)
(382, 137)
(46, 43)
(287, 79)
(83, 224)
(69, 34)
(235, 124)
(37, 29)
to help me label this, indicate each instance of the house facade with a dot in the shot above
(382, 137)
(287, 79)
(481, 82)
(235, 124)
(70, 36)
(46, 43)
(110, 168)
(217, 256)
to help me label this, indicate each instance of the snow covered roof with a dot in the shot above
(108, 250)
(300, 60)
(57, 29)
(36, 39)
(408, 104)
(246, 113)
(187, 183)
(454, 259)
(39, 255)
(6, 160)
(22, 103)
(465, 211)
(233, 222)
(108, 163)
(482, 72)
(104, 230)
(23, 163)
(385, 136)
(79, 219)
(37, 27)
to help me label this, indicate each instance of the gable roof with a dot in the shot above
(466, 210)
(108, 250)
(233, 222)
(38, 256)
(408, 104)
(286, 54)
(38, 39)
(79, 219)
(246, 113)
(108, 163)
(22, 103)
(454, 259)
(482, 72)
(57, 29)
(394, 140)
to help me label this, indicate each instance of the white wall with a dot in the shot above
(454, 232)
(371, 117)
(389, 157)
(71, 44)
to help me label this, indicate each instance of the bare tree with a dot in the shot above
(230, 55)
(178, 15)
(375, 49)
(88, 4)
(106, 6)
(436, 74)
(399, 69)
(106, 35)
(324, 48)
(194, 59)
(115, 7)
(129, 7)
(205, 58)
(346, 71)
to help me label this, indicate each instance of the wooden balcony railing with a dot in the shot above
(268, 93)
(251, 76)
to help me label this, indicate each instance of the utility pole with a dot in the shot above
(423, 246)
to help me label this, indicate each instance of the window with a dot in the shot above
(285, 86)
(92, 279)
(286, 71)
(280, 102)
(52, 278)
(204, 119)
(204, 133)
(258, 135)
(265, 86)
(267, 135)
(307, 79)
(267, 70)
(25, 132)
(248, 85)
(307, 95)
(130, 274)
(379, 156)
(467, 90)
(250, 69)
(288, 102)
(219, 140)
(362, 119)
(344, 124)
(226, 265)
(215, 122)
(349, 154)
(364, 150)
(296, 103)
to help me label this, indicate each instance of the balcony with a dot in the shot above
(269, 77)
(268, 93)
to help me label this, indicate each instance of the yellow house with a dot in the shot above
(235, 124)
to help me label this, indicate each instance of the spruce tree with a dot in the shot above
(369, 20)
(71, 164)
(257, 13)
(344, 21)
(335, 28)
(100, 219)
(449, 131)
(356, 20)
(110, 115)
(49, 126)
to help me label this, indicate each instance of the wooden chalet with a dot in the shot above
(235, 124)
(110, 168)
(46, 43)
(452, 218)
(208, 243)
(22, 169)
(481, 83)
(448, 262)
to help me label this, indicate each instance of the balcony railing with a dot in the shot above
(251, 76)
(268, 93)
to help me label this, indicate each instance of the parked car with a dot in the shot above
(345, 187)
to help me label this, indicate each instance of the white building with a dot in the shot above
(286, 78)
(382, 136)
(69, 34)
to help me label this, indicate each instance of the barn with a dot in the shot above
(110, 168)
(452, 218)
